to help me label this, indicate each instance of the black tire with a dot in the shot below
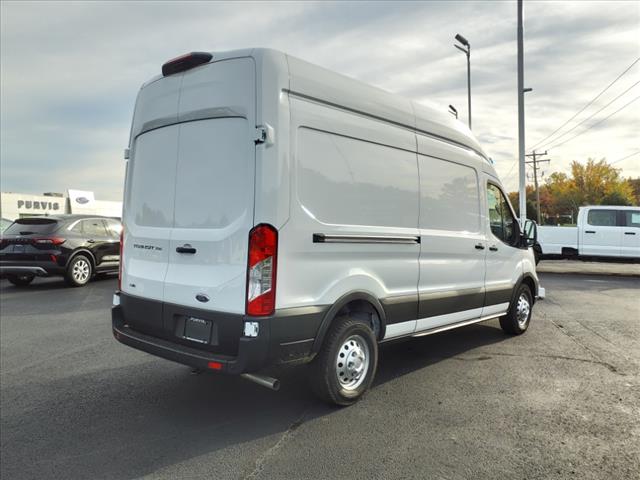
(21, 280)
(79, 271)
(515, 322)
(346, 338)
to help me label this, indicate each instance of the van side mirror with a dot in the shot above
(530, 235)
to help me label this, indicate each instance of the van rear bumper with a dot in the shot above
(252, 352)
(287, 336)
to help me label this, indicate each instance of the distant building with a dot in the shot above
(19, 205)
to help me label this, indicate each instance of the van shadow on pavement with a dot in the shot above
(134, 420)
(40, 284)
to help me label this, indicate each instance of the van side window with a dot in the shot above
(632, 218)
(602, 218)
(503, 224)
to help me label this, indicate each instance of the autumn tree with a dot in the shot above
(532, 211)
(634, 183)
(591, 183)
(598, 183)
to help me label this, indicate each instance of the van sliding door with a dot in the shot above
(452, 253)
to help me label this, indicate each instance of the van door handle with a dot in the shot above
(629, 233)
(479, 246)
(493, 248)
(589, 231)
(186, 249)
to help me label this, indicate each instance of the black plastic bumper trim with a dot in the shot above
(286, 336)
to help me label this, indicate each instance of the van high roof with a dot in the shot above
(312, 82)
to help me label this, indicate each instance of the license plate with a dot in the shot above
(197, 330)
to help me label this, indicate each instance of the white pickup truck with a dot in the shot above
(602, 231)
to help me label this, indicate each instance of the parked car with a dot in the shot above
(601, 231)
(73, 246)
(348, 217)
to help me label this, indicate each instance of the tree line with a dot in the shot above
(590, 183)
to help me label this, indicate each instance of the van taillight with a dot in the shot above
(185, 62)
(261, 270)
(121, 258)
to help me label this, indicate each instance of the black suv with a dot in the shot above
(73, 246)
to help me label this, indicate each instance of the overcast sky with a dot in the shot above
(70, 72)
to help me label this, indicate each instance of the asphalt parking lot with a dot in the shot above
(561, 401)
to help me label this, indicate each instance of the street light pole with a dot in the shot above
(522, 180)
(467, 52)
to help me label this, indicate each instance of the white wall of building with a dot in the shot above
(16, 205)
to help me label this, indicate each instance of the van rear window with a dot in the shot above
(28, 226)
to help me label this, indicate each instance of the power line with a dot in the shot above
(508, 175)
(594, 114)
(595, 124)
(587, 105)
(624, 158)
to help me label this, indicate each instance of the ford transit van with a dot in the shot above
(277, 212)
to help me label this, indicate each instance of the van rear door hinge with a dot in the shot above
(263, 134)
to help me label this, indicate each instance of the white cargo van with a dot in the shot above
(278, 212)
(601, 231)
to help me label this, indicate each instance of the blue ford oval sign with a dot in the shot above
(82, 200)
(201, 297)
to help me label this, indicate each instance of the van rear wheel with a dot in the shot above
(517, 319)
(346, 364)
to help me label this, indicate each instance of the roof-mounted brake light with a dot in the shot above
(185, 62)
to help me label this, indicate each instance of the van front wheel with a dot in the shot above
(346, 364)
(517, 319)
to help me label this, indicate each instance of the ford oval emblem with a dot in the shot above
(82, 200)
(201, 297)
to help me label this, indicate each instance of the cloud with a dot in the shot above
(69, 71)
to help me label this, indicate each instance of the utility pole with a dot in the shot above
(535, 163)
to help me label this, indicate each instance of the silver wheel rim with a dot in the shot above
(81, 271)
(522, 310)
(352, 362)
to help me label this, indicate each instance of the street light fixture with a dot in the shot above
(453, 111)
(467, 52)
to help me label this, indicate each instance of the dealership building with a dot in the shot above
(19, 205)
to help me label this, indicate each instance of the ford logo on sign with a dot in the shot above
(82, 200)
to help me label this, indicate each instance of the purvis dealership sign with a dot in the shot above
(39, 206)
(15, 205)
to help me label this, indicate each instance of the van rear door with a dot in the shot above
(213, 214)
(190, 188)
